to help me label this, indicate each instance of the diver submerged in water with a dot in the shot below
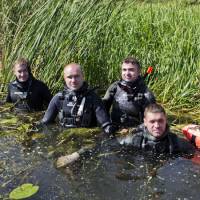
(77, 105)
(26, 92)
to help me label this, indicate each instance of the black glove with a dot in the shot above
(110, 130)
(37, 126)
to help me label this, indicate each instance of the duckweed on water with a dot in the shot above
(11, 121)
(18, 125)
(71, 140)
(70, 134)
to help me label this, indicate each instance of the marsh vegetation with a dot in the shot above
(99, 34)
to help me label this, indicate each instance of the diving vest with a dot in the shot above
(76, 110)
(20, 95)
(168, 144)
(128, 104)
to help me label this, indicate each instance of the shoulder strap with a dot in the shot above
(81, 107)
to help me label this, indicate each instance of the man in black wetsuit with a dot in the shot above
(26, 92)
(77, 105)
(129, 96)
(153, 136)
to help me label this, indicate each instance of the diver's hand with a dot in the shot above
(37, 126)
(110, 130)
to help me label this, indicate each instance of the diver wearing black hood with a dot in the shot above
(26, 92)
(77, 105)
(154, 135)
(129, 96)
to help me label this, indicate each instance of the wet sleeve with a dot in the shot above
(149, 97)
(8, 97)
(102, 115)
(185, 146)
(47, 96)
(109, 96)
(126, 140)
(133, 140)
(52, 110)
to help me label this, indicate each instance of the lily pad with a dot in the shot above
(24, 191)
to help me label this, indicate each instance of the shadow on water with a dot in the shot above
(107, 175)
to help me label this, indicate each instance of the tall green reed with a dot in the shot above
(99, 34)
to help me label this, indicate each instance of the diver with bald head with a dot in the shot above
(77, 105)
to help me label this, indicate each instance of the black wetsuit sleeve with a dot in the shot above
(101, 114)
(131, 141)
(109, 96)
(8, 97)
(52, 110)
(46, 94)
(149, 97)
(185, 146)
(126, 140)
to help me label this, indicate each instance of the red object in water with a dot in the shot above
(192, 133)
(196, 158)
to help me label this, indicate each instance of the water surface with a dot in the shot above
(105, 176)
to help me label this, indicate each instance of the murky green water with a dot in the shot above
(106, 176)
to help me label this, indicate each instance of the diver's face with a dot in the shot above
(155, 123)
(130, 72)
(21, 72)
(73, 77)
